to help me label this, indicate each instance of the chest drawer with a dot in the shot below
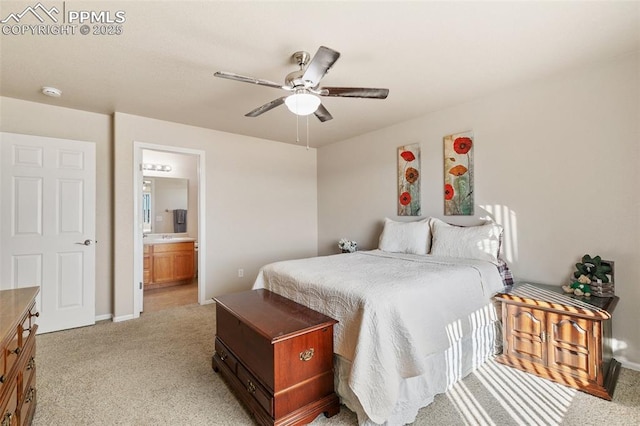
(28, 402)
(253, 388)
(9, 407)
(226, 356)
(10, 354)
(29, 366)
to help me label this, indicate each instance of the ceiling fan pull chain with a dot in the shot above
(297, 129)
(307, 133)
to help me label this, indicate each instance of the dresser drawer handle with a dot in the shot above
(306, 355)
(6, 420)
(30, 395)
(16, 351)
(223, 355)
(251, 387)
(2, 378)
(31, 364)
(37, 314)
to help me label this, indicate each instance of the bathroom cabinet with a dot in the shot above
(167, 264)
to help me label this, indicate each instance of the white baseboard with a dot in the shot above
(208, 301)
(628, 364)
(123, 318)
(103, 317)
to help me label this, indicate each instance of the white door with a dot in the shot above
(47, 226)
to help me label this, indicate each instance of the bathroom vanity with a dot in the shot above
(168, 262)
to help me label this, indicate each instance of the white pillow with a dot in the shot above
(480, 242)
(406, 237)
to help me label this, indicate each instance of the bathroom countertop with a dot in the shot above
(167, 240)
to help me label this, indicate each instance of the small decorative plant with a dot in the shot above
(347, 246)
(593, 268)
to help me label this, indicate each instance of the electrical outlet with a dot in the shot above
(240, 273)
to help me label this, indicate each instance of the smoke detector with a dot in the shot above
(51, 91)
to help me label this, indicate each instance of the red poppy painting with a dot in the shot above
(409, 180)
(448, 192)
(458, 174)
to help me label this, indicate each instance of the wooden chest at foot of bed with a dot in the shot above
(277, 355)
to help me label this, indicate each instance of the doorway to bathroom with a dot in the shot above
(169, 200)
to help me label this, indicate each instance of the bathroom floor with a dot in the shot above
(169, 297)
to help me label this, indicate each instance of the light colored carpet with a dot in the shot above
(157, 371)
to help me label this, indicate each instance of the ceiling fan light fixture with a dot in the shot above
(302, 103)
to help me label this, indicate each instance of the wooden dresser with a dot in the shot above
(277, 355)
(17, 356)
(560, 337)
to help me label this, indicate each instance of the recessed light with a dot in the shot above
(52, 91)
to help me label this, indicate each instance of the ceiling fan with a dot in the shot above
(304, 85)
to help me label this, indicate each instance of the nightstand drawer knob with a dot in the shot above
(306, 355)
(251, 387)
(223, 355)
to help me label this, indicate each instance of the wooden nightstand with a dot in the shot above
(560, 337)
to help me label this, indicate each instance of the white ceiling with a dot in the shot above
(430, 55)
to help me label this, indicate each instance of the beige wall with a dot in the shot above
(261, 202)
(556, 161)
(30, 118)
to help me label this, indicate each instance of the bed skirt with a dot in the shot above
(443, 370)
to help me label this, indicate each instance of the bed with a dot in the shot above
(414, 316)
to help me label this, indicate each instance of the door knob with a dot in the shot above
(85, 243)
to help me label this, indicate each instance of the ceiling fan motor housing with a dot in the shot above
(294, 79)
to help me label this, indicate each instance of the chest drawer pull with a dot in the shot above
(16, 351)
(2, 378)
(251, 387)
(30, 395)
(223, 355)
(37, 314)
(6, 420)
(31, 364)
(306, 355)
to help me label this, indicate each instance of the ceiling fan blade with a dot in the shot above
(354, 92)
(320, 64)
(322, 114)
(245, 79)
(266, 107)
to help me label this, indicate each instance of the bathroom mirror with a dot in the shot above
(160, 198)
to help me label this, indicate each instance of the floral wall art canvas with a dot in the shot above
(409, 180)
(458, 174)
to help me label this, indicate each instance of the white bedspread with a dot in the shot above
(393, 311)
